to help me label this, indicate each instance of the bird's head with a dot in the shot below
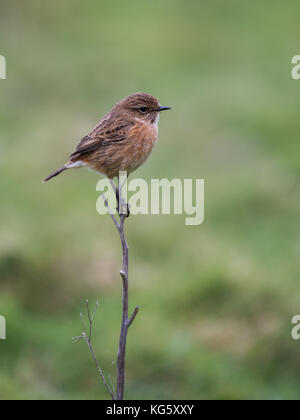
(142, 106)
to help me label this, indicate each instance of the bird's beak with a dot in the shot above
(163, 108)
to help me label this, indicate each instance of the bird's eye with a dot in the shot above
(143, 109)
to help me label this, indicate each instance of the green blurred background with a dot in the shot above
(217, 299)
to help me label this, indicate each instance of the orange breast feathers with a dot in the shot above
(141, 140)
(126, 155)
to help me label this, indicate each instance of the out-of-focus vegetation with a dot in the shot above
(217, 300)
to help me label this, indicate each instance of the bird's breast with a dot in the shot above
(143, 139)
(126, 155)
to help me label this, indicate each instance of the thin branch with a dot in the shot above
(91, 318)
(117, 394)
(88, 338)
(133, 316)
(83, 322)
(114, 187)
(110, 212)
(112, 385)
(85, 337)
(125, 321)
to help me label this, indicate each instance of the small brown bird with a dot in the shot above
(123, 139)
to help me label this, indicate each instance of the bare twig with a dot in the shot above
(87, 338)
(91, 318)
(134, 314)
(117, 394)
(126, 322)
(111, 213)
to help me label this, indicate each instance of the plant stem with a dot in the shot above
(126, 322)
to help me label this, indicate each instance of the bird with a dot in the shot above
(122, 140)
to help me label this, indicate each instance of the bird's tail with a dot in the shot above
(59, 171)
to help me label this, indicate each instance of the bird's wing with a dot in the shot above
(104, 134)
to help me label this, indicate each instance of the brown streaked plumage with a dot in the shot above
(123, 139)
